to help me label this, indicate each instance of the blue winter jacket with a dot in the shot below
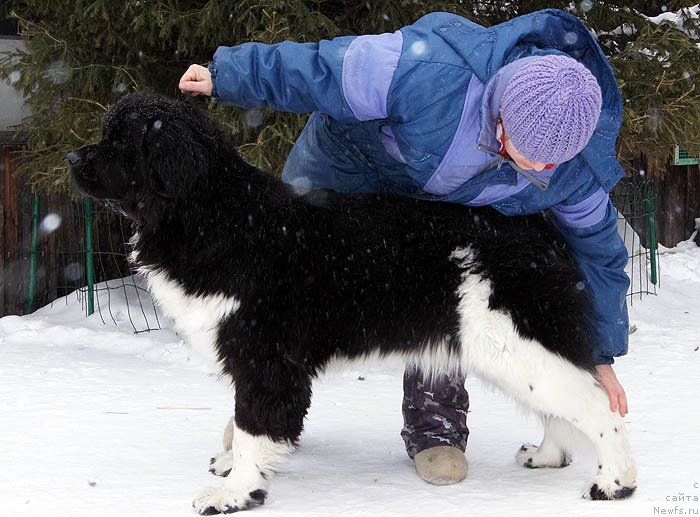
(413, 112)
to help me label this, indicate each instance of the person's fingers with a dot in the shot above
(618, 399)
(193, 87)
(612, 395)
(616, 393)
(624, 408)
(196, 80)
(191, 74)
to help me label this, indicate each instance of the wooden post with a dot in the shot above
(11, 244)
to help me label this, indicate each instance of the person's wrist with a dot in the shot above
(213, 72)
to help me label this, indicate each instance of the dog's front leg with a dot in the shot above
(254, 459)
(267, 424)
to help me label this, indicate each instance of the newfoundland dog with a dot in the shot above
(275, 283)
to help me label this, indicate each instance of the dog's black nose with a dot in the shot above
(73, 158)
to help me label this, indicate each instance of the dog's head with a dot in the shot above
(153, 151)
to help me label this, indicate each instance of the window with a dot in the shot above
(9, 28)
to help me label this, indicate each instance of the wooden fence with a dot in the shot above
(677, 204)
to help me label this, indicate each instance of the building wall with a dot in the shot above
(12, 109)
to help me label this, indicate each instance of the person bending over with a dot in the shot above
(522, 116)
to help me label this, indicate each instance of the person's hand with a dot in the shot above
(607, 378)
(196, 80)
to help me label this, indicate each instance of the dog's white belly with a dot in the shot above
(197, 317)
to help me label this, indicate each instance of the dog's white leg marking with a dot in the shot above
(545, 382)
(220, 465)
(254, 460)
(553, 451)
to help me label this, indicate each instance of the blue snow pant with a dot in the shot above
(434, 409)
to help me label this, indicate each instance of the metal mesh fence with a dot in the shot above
(88, 261)
(635, 203)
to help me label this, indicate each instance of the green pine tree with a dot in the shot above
(82, 55)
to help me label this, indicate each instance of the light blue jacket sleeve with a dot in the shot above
(590, 228)
(347, 78)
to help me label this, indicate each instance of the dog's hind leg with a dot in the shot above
(220, 465)
(228, 434)
(553, 451)
(585, 405)
(552, 386)
(547, 383)
(271, 402)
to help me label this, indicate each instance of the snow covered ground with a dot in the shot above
(97, 420)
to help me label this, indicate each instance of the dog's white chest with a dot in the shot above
(198, 317)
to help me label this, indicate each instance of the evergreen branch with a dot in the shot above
(42, 29)
(89, 101)
(78, 137)
(661, 81)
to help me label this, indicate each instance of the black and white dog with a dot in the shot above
(278, 283)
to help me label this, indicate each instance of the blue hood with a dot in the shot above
(487, 49)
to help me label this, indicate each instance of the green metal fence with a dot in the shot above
(88, 261)
(635, 202)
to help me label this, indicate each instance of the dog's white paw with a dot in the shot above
(221, 464)
(534, 457)
(213, 501)
(604, 487)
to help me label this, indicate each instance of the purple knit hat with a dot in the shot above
(550, 108)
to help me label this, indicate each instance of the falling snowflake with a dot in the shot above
(253, 118)
(58, 72)
(73, 272)
(570, 38)
(586, 5)
(50, 223)
(418, 48)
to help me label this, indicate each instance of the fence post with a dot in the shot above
(89, 258)
(32, 258)
(652, 231)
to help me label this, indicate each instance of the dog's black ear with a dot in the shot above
(174, 159)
